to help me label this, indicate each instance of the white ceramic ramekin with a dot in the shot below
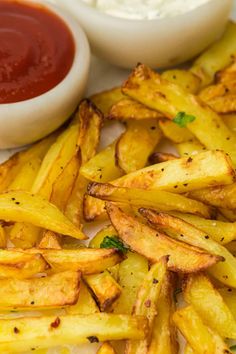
(159, 42)
(27, 121)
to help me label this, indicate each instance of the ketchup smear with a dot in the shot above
(36, 50)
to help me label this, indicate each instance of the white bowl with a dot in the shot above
(159, 42)
(27, 121)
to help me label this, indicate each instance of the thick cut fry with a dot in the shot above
(150, 89)
(181, 230)
(86, 260)
(208, 303)
(131, 273)
(102, 167)
(182, 175)
(106, 99)
(189, 81)
(26, 176)
(136, 144)
(50, 240)
(199, 336)
(10, 168)
(160, 200)
(229, 297)
(189, 148)
(127, 110)
(25, 235)
(227, 75)
(175, 133)
(20, 265)
(146, 303)
(25, 207)
(158, 157)
(154, 245)
(105, 289)
(53, 291)
(85, 304)
(3, 237)
(220, 231)
(106, 348)
(51, 331)
(221, 196)
(217, 57)
(164, 336)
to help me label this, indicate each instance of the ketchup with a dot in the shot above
(36, 50)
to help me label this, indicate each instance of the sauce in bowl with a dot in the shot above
(36, 50)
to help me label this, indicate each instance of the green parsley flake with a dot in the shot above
(113, 242)
(182, 119)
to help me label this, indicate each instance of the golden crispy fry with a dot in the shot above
(51, 331)
(50, 240)
(221, 196)
(25, 207)
(154, 245)
(127, 110)
(221, 104)
(188, 350)
(26, 176)
(227, 75)
(86, 260)
(85, 304)
(189, 148)
(10, 168)
(181, 230)
(105, 289)
(96, 241)
(3, 237)
(106, 99)
(220, 231)
(131, 273)
(217, 57)
(102, 167)
(228, 215)
(24, 235)
(199, 336)
(186, 79)
(146, 303)
(20, 265)
(181, 175)
(229, 296)
(136, 144)
(208, 303)
(106, 348)
(230, 121)
(164, 336)
(173, 132)
(53, 291)
(150, 89)
(158, 157)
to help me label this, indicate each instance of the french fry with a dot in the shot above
(229, 296)
(105, 289)
(188, 350)
(158, 157)
(20, 265)
(50, 240)
(191, 326)
(227, 74)
(182, 175)
(10, 168)
(131, 273)
(188, 80)
(164, 336)
(150, 89)
(220, 231)
(154, 245)
(218, 56)
(3, 237)
(210, 306)
(160, 200)
(224, 270)
(102, 167)
(230, 121)
(106, 348)
(96, 241)
(146, 303)
(136, 144)
(54, 331)
(85, 304)
(175, 133)
(220, 196)
(106, 99)
(54, 291)
(189, 148)
(25, 207)
(129, 110)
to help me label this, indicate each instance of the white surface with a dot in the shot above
(27, 121)
(157, 43)
(102, 76)
(145, 9)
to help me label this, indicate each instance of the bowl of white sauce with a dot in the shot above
(159, 33)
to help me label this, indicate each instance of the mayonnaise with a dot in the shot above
(145, 9)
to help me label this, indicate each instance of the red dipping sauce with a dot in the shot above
(36, 50)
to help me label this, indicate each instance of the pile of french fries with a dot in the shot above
(165, 260)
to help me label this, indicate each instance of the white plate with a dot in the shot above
(102, 76)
